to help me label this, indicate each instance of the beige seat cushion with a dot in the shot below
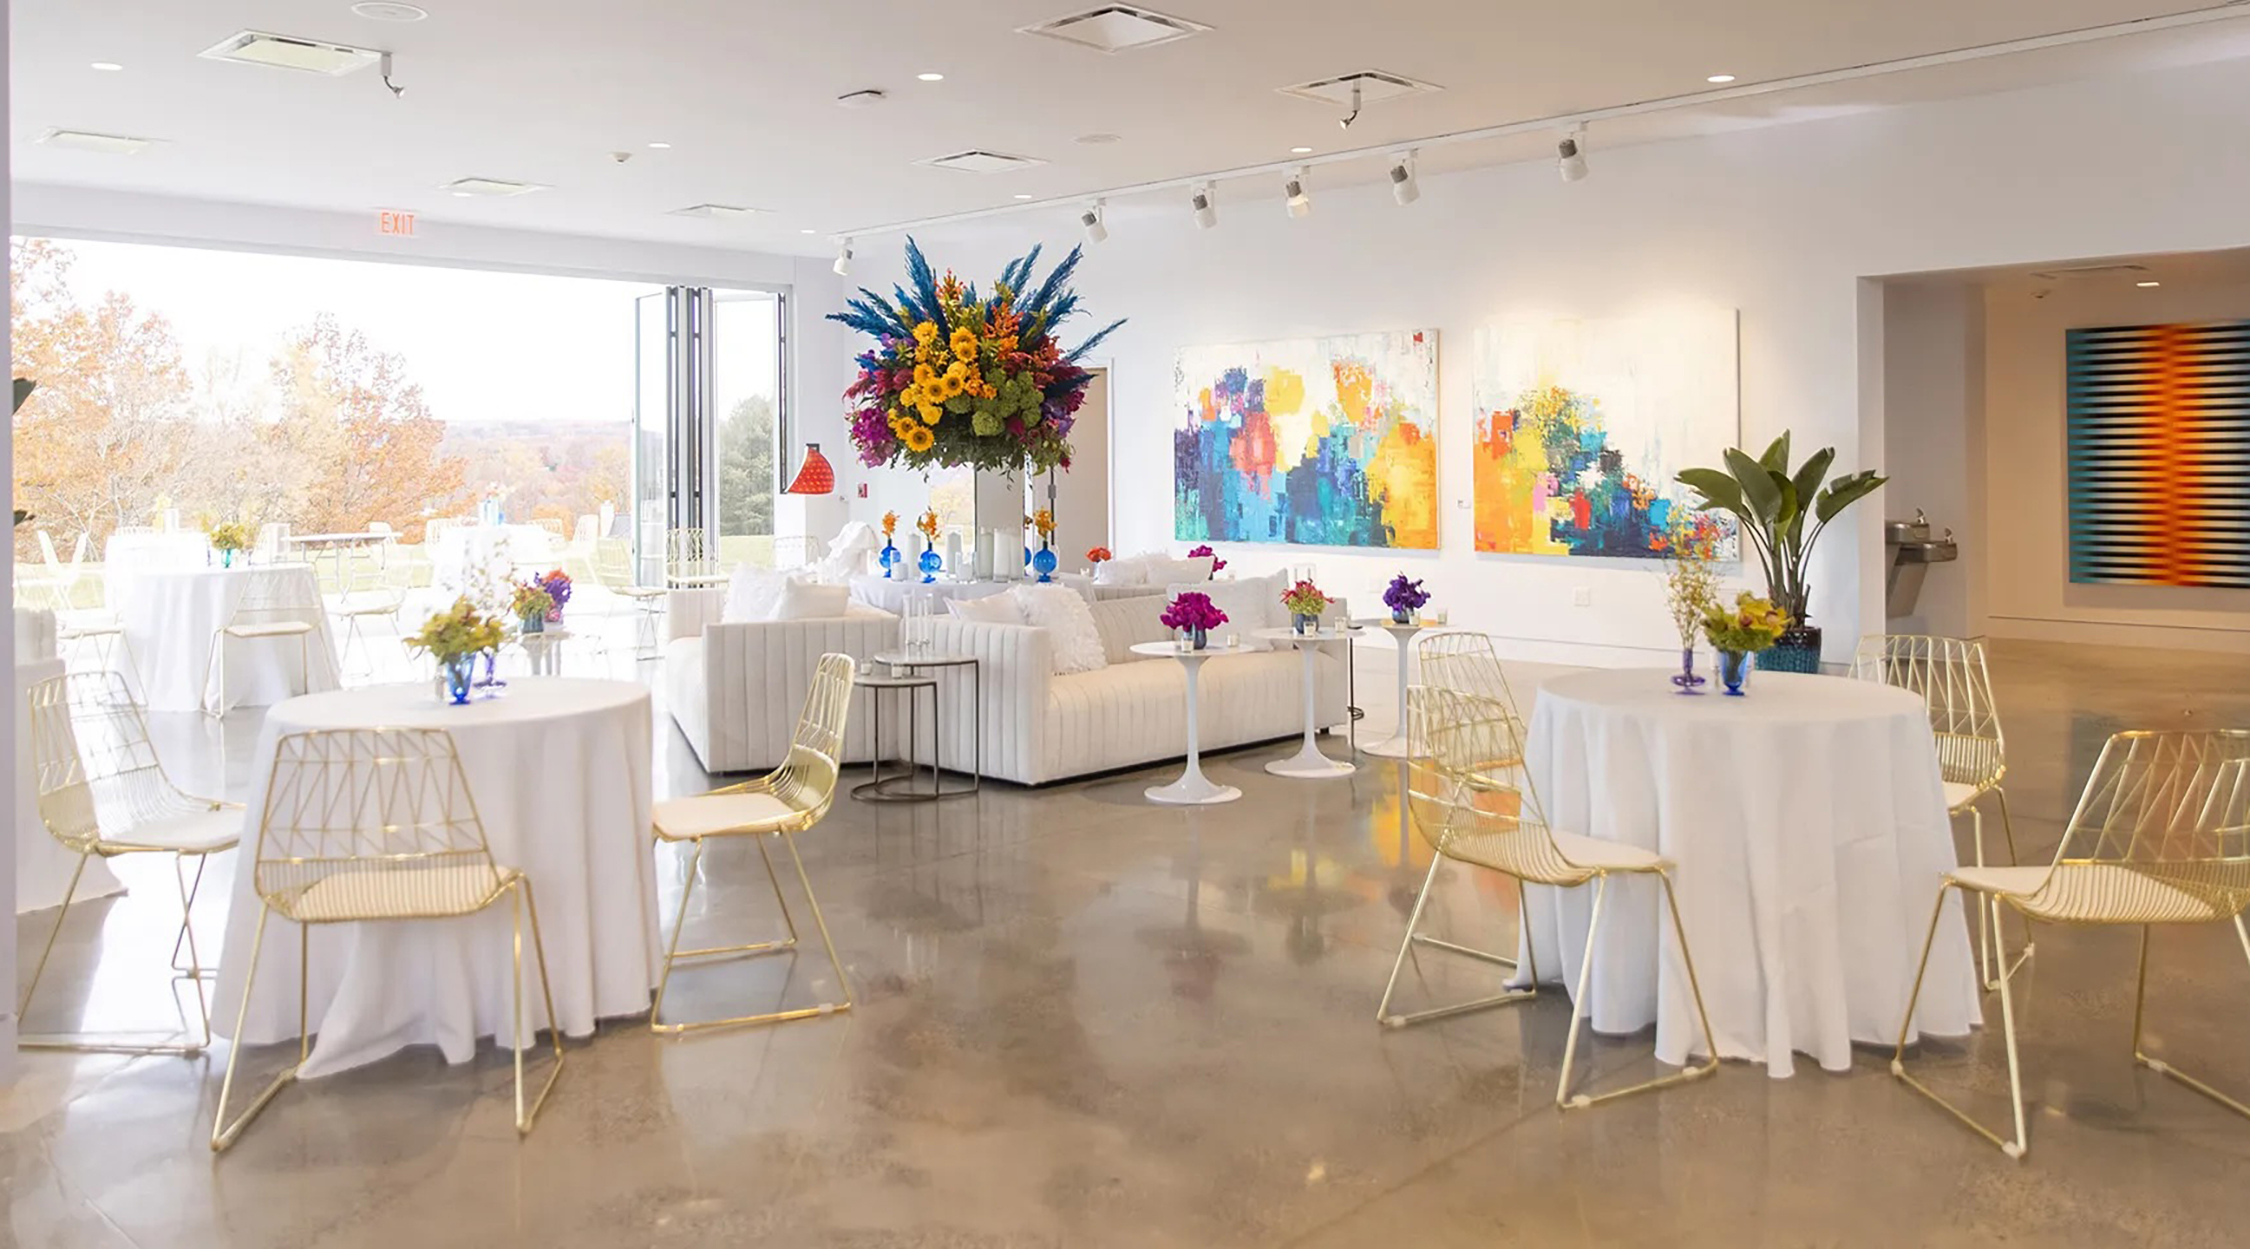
(1616, 856)
(2095, 892)
(1956, 793)
(378, 894)
(707, 815)
(270, 629)
(195, 832)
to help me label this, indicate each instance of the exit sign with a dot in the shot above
(395, 223)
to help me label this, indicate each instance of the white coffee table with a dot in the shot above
(1308, 763)
(1395, 746)
(1193, 789)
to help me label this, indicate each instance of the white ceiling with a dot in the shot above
(544, 90)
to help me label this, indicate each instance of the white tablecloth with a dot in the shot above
(128, 555)
(561, 772)
(490, 551)
(43, 866)
(891, 596)
(170, 618)
(1808, 825)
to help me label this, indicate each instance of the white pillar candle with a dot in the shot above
(953, 553)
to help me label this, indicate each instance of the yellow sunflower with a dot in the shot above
(926, 333)
(930, 413)
(924, 375)
(918, 438)
(964, 343)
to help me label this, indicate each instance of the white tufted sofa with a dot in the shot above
(1040, 727)
(736, 689)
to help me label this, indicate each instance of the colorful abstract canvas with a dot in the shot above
(1322, 441)
(2160, 454)
(1581, 426)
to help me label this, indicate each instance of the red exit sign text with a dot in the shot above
(392, 222)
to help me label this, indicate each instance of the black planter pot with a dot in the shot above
(1797, 651)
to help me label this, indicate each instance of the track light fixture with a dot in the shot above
(843, 265)
(1570, 155)
(1205, 202)
(1299, 199)
(1091, 221)
(1404, 188)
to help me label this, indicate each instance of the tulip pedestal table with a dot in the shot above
(1193, 789)
(1308, 763)
(1395, 746)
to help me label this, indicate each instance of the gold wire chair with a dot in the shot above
(1950, 675)
(1475, 805)
(783, 803)
(613, 569)
(1465, 664)
(361, 825)
(2161, 835)
(102, 791)
(275, 604)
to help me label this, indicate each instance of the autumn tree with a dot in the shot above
(389, 467)
(110, 428)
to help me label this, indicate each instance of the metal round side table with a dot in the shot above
(909, 672)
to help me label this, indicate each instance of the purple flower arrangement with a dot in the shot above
(1191, 611)
(557, 585)
(1205, 549)
(1404, 597)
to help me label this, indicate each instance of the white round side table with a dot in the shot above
(544, 649)
(1193, 789)
(1308, 763)
(1395, 746)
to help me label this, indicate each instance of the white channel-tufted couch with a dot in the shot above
(736, 688)
(1041, 727)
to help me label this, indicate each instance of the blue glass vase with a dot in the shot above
(889, 557)
(1734, 671)
(1685, 678)
(458, 671)
(1044, 564)
(930, 563)
(1198, 638)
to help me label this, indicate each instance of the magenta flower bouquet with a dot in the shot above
(1205, 549)
(1194, 612)
(1404, 598)
(557, 586)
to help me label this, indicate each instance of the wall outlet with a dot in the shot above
(1583, 596)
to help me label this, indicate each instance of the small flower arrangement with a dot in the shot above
(927, 524)
(1216, 562)
(890, 526)
(230, 535)
(1404, 598)
(556, 583)
(1691, 583)
(1193, 611)
(1305, 599)
(1098, 555)
(458, 632)
(531, 602)
(1753, 624)
(1043, 520)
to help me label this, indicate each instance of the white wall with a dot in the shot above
(1779, 223)
(1934, 442)
(2030, 594)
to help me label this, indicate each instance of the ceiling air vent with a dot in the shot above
(1375, 86)
(256, 47)
(2080, 273)
(490, 186)
(723, 212)
(1116, 28)
(88, 141)
(974, 161)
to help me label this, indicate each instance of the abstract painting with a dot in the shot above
(1581, 425)
(1320, 441)
(2159, 434)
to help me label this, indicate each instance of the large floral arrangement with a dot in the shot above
(1753, 624)
(958, 377)
(458, 631)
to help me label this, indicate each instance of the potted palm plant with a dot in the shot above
(1771, 502)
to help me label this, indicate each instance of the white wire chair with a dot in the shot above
(276, 605)
(1950, 675)
(367, 825)
(2161, 835)
(787, 801)
(374, 588)
(613, 569)
(103, 792)
(1474, 802)
(78, 629)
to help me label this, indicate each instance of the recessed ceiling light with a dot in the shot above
(1095, 139)
(257, 47)
(725, 212)
(808, 230)
(92, 141)
(1020, 195)
(386, 11)
(1299, 151)
(931, 77)
(491, 186)
(2148, 284)
(1720, 78)
(464, 195)
(661, 147)
(107, 67)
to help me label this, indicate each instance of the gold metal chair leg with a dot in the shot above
(23, 1005)
(673, 953)
(2160, 1066)
(524, 901)
(1693, 1071)
(93, 1043)
(1578, 997)
(1412, 938)
(223, 1133)
(189, 892)
(2021, 1144)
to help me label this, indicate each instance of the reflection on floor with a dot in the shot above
(1087, 1020)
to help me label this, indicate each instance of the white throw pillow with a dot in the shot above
(1069, 623)
(856, 610)
(752, 593)
(991, 609)
(802, 600)
(1163, 571)
(1127, 571)
(1251, 604)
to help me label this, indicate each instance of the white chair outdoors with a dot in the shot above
(274, 607)
(374, 589)
(65, 577)
(613, 568)
(783, 803)
(1949, 673)
(102, 791)
(2161, 835)
(1473, 801)
(77, 629)
(368, 825)
(689, 562)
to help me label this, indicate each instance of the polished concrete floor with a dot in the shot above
(1084, 1020)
